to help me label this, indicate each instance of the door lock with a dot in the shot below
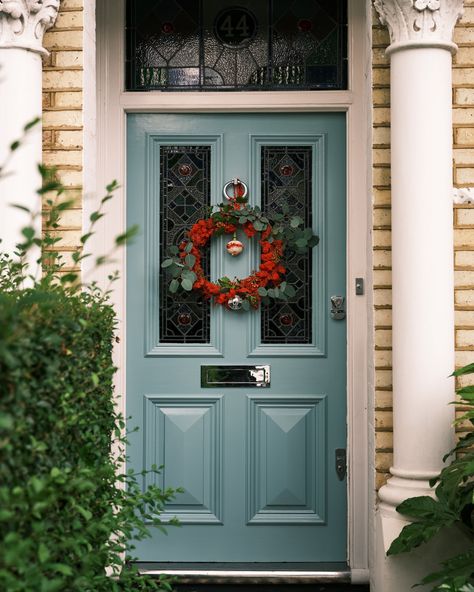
(338, 311)
(341, 463)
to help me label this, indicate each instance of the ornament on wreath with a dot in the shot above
(276, 233)
(234, 247)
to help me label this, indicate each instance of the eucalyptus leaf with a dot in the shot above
(190, 260)
(187, 285)
(174, 285)
(246, 304)
(188, 247)
(167, 263)
(262, 291)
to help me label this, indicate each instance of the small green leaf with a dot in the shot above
(301, 243)
(246, 304)
(167, 263)
(190, 260)
(189, 247)
(32, 123)
(174, 250)
(174, 285)
(259, 226)
(187, 285)
(28, 232)
(43, 553)
(290, 291)
(14, 145)
(95, 216)
(262, 291)
(295, 222)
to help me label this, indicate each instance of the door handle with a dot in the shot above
(338, 310)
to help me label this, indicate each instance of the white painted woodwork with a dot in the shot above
(422, 266)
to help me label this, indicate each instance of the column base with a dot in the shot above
(400, 572)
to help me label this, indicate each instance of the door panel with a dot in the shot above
(258, 469)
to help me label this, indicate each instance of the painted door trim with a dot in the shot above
(108, 105)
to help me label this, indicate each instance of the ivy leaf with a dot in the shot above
(174, 285)
(187, 285)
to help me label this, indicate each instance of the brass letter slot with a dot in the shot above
(235, 376)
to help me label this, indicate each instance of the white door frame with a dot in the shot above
(106, 104)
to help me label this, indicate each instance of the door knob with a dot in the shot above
(338, 311)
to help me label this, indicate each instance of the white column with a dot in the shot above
(422, 265)
(22, 25)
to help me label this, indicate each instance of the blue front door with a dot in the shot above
(258, 465)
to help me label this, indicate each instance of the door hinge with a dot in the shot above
(341, 463)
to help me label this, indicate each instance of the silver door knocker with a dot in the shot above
(236, 184)
(338, 312)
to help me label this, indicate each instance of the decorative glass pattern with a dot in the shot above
(219, 44)
(184, 196)
(286, 177)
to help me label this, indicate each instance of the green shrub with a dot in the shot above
(63, 517)
(68, 513)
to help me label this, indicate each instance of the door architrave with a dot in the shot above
(106, 106)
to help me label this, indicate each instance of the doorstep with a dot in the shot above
(252, 574)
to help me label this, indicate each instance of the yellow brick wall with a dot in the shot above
(62, 115)
(463, 140)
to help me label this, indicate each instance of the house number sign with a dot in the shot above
(235, 27)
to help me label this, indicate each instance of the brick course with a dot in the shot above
(63, 117)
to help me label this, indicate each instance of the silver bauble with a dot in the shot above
(235, 303)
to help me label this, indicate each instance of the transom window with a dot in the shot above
(221, 45)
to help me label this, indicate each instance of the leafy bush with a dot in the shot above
(453, 506)
(67, 511)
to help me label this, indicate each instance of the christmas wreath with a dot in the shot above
(277, 233)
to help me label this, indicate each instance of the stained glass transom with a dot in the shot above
(286, 178)
(184, 196)
(218, 44)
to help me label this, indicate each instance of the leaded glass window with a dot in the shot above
(286, 179)
(253, 45)
(184, 199)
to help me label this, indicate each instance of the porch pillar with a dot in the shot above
(22, 25)
(422, 266)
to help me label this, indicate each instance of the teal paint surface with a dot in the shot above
(257, 465)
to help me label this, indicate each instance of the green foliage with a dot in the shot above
(68, 512)
(453, 507)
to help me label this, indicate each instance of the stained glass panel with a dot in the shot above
(286, 179)
(184, 196)
(218, 44)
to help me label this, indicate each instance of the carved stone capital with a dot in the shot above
(420, 23)
(23, 22)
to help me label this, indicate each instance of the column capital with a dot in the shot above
(420, 23)
(23, 23)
